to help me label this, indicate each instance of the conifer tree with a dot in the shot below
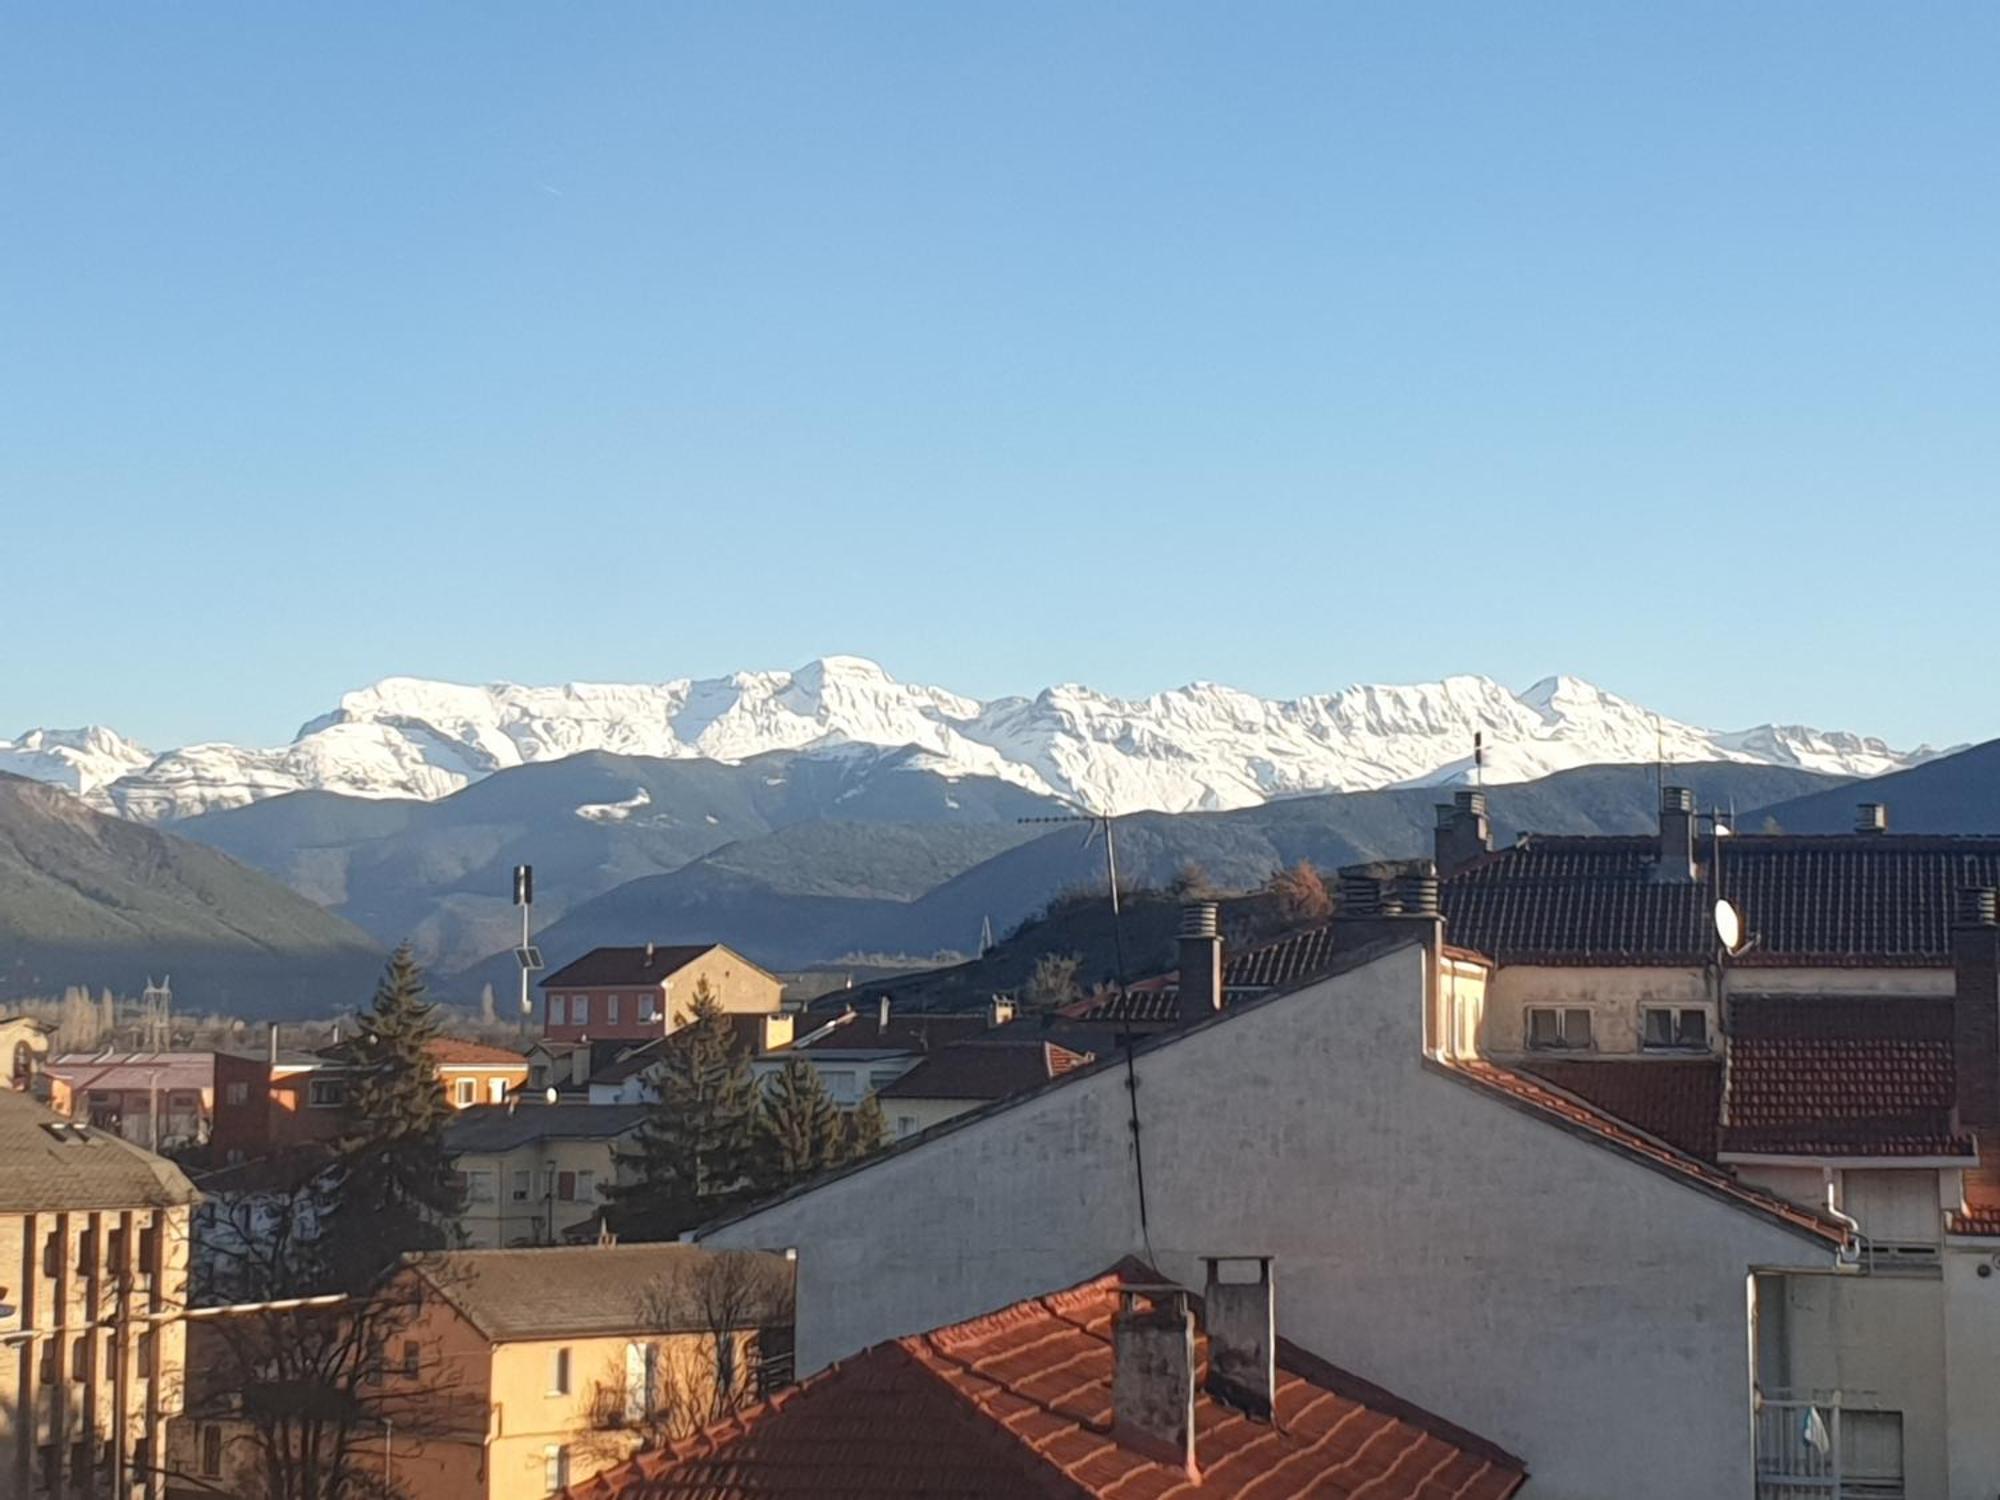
(867, 1130)
(398, 1191)
(695, 1148)
(799, 1129)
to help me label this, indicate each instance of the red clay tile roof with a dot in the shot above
(451, 1051)
(1822, 1075)
(601, 966)
(1981, 1214)
(984, 1070)
(1016, 1405)
(1873, 899)
(1677, 1099)
(1584, 1118)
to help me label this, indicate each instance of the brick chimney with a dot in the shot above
(1871, 817)
(1152, 1375)
(1463, 833)
(1975, 1009)
(1201, 961)
(1242, 1324)
(1676, 864)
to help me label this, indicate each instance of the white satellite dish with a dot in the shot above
(549, 1095)
(1728, 926)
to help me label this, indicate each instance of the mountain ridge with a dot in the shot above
(1200, 747)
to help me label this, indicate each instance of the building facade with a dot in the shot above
(637, 994)
(533, 1173)
(94, 1239)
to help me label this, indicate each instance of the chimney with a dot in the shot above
(1152, 1375)
(1871, 817)
(999, 1011)
(1676, 864)
(1975, 1009)
(1242, 1336)
(649, 955)
(272, 1045)
(1391, 899)
(882, 1015)
(1463, 832)
(1201, 962)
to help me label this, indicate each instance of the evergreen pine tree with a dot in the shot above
(799, 1129)
(695, 1148)
(398, 1191)
(867, 1129)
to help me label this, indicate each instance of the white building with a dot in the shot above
(1490, 1248)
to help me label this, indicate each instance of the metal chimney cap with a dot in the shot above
(1676, 799)
(1200, 919)
(1871, 817)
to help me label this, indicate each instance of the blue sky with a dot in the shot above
(1285, 345)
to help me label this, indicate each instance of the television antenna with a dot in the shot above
(1100, 822)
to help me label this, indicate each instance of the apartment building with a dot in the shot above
(94, 1246)
(533, 1173)
(637, 994)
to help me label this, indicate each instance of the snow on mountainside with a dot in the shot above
(82, 760)
(1197, 747)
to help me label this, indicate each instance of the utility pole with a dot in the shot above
(529, 956)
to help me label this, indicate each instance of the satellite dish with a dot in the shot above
(1728, 926)
(549, 1094)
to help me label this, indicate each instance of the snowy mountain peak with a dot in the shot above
(1204, 745)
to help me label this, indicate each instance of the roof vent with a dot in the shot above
(1420, 895)
(1871, 817)
(1977, 907)
(1472, 804)
(1360, 895)
(1198, 919)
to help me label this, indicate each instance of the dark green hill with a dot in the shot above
(1958, 793)
(440, 873)
(89, 899)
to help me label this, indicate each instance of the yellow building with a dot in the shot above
(576, 1357)
(532, 1172)
(93, 1278)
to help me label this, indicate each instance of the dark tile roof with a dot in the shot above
(1587, 1120)
(1867, 899)
(1250, 971)
(502, 1127)
(48, 1165)
(633, 1058)
(862, 1031)
(634, 966)
(577, 1291)
(984, 1070)
(1824, 1075)
(1016, 1405)
(1677, 1099)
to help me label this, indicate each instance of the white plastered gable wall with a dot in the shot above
(1583, 1310)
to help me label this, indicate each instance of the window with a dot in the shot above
(467, 1091)
(52, 1250)
(327, 1093)
(559, 1372)
(496, 1090)
(1871, 1451)
(479, 1185)
(555, 1468)
(579, 1010)
(586, 1186)
(1674, 1030)
(236, 1093)
(524, 1184)
(146, 1355)
(611, 1010)
(905, 1125)
(649, 1008)
(211, 1451)
(79, 1359)
(1552, 1030)
(413, 1356)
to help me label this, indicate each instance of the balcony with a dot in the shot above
(1823, 1450)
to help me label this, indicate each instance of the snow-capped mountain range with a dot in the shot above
(1203, 746)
